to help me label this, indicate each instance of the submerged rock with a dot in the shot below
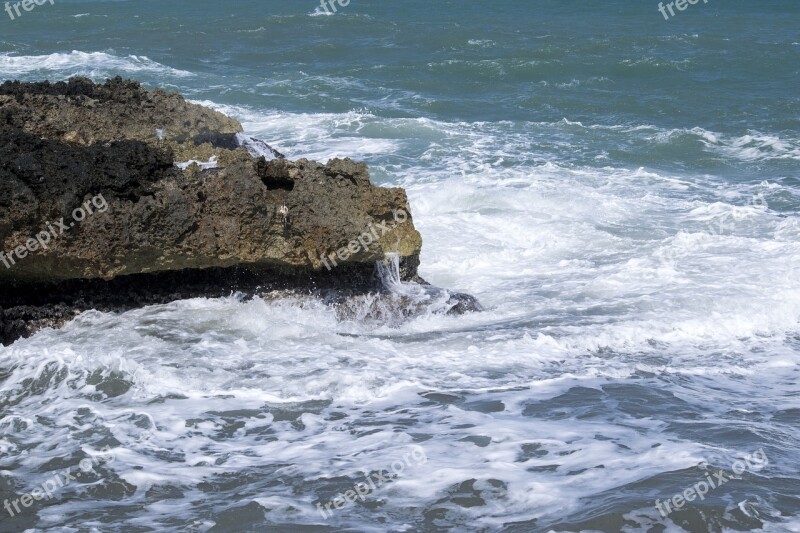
(96, 213)
(396, 301)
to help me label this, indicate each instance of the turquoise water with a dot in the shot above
(621, 192)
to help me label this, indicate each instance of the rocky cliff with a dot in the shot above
(97, 211)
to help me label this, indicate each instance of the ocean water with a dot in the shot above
(620, 191)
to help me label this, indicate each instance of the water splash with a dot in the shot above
(398, 301)
(258, 148)
(389, 272)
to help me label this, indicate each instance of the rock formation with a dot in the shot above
(95, 213)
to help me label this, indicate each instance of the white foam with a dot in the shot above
(614, 236)
(211, 163)
(90, 64)
(758, 146)
(593, 278)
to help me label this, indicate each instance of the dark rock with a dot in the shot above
(463, 303)
(80, 111)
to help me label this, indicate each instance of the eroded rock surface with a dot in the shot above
(67, 143)
(94, 166)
